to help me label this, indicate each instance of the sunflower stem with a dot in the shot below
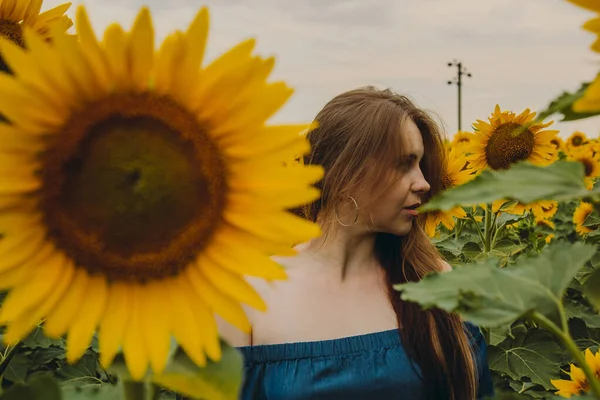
(487, 243)
(565, 337)
(140, 391)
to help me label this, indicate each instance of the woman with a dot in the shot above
(336, 329)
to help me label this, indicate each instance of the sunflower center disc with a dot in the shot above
(577, 141)
(510, 143)
(589, 167)
(446, 181)
(12, 31)
(133, 188)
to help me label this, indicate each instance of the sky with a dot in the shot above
(521, 53)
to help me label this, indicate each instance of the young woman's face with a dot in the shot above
(394, 211)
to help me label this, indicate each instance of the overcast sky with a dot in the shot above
(521, 53)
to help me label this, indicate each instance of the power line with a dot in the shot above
(461, 70)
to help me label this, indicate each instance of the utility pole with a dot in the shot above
(458, 81)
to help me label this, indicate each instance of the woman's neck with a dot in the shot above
(351, 254)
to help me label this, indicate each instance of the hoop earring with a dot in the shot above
(355, 214)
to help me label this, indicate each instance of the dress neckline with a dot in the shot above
(321, 348)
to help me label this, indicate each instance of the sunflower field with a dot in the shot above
(135, 182)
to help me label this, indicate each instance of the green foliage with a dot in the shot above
(563, 104)
(525, 182)
(38, 366)
(218, 381)
(533, 354)
(491, 296)
(533, 288)
(41, 387)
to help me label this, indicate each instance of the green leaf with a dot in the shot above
(42, 387)
(100, 392)
(525, 182)
(18, 368)
(591, 288)
(533, 354)
(82, 372)
(576, 309)
(216, 381)
(490, 296)
(563, 104)
(37, 339)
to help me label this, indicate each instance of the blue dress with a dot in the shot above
(371, 366)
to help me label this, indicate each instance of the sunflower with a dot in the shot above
(549, 238)
(510, 138)
(558, 143)
(577, 139)
(134, 183)
(517, 208)
(454, 174)
(461, 139)
(590, 161)
(593, 25)
(578, 384)
(582, 212)
(17, 14)
(544, 209)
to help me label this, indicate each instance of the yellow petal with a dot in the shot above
(169, 55)
(115, 44)
(231, 284)
(155, 315)
(92, 50)
(16, 248)
(245, 260)
(140, 52)
(54, 12)
(225, 306)
(32, 10)
(22, 102)
(274, 96)
(35, 291)
(274, 199)
(279, 227)
(267, 140)
(134, 347)
(259, 176)
(84, 325)
(21, 327)
(59, 319)
(48, 74)
(115, 321)
(204, 318)
(186, 331)
(195, 44)
(589, 4)
(77, 66)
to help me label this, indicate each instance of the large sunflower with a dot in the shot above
(137, 189)
(455, 173)
(509, 138)
(17, 14)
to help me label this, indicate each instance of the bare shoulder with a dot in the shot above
(268, 291)
(445, 266)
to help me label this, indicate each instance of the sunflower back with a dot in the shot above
(358, 141)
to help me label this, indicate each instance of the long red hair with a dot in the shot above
(362, 125)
